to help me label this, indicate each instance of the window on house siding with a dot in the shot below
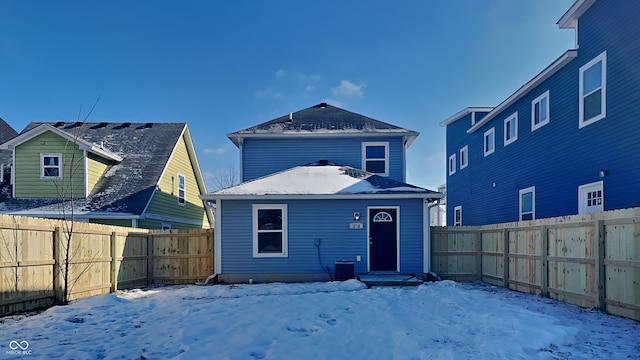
(540, 111)
(457, 216)
(464, 157)
(591, 198)
(376, 157)
(51, 166)
(452, 164)
(528, 203)
(270, 230)
(593, 90)
(489, 141)
(511, 129)
(181, 189)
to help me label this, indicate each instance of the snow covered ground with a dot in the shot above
(338, 320)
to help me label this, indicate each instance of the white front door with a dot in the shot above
(591, 198)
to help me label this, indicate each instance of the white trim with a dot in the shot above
(570, 19)
(547, 112)
(284, 230)
(134, 223)
(452, 164)
(582, 192)
(544, 75)
(532, 190)
(464, 154)
(241, 148)
(217, 233)
(13, 173)
(410, 135)
(509, 119)
(386, 156)
(60, 166)
(456, 209)
(86, 173)
(491, 132)
(397, 208)
(417, 195)
(603, 87)
(184, 190)
(464, 112)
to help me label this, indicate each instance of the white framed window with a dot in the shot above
(375, 157)
(591, 197)
(527, 203)
(181, 189)
(457, 215)
(593, 90)
(51, 166)
(511, 129)
(540, 111)
(452, 164)
(270, 230)
(489, 141)
(464, 157)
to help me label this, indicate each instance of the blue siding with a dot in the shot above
(327, 220)
(559, 157)
(261, 157)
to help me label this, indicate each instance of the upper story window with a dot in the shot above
(489, 141)
(375, 157)
(452, 164)
(181, 189)
(464, 157)
(511, 129)
(270, 230)
(51, 166)
(528, 203)
(540, 111)
(457, 216)
(593, 90)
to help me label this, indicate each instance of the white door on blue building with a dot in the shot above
(591, 198)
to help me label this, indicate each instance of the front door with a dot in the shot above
(383, 239)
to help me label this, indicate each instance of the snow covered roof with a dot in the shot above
(322, 120)
(322, 180)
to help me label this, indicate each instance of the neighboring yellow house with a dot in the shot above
(142, 175)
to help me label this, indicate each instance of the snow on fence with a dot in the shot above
(590, 260)
(102, 259)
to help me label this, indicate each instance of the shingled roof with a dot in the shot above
(6, 133)
(127, 185)
(321, 120)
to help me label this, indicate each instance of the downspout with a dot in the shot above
(426, 247)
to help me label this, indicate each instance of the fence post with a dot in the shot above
(479, 264)
(114, 262)
(544, 268)
(149, 259)
(599, 238)
(505, 259)
(58, 259)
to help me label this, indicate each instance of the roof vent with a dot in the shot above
(77, 124)
(323, 105)
(59, 124)
(102, 125)
(126, 125)
(148, 125)
(290, 118)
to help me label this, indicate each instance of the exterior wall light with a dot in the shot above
(356, 215)
(603, 173)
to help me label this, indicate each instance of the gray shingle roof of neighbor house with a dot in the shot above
(322, 120)
(6, 133)
(127, 185)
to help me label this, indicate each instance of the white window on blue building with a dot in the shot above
(375, 157)
(591, 197)
(489, 141)
(511, 129)
(528, 203)
(593, 90)
(270, 230)
(457, 215)
(540, 111)
(464, 157)
(51, 166)
(452, 164)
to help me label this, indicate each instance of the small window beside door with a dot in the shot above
(591, 197)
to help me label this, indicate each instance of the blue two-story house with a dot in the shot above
(321, 185)
(566, 142)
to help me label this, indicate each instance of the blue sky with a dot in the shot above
(222, 66)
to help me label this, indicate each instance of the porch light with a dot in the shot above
(356, 215)
(603, 173)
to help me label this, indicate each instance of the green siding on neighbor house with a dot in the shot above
(114, 222)
(165, 199)
(28, 182)
(157, 224)
(96, 166)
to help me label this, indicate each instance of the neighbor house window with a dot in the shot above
(457, 216)
(51, 166)
(452, 164)
(528, 203)
(181, 189)
(375, 157)
(489, 141)
(540, 111)
(591, 198)
(593, 90)
(464, 157)
(511, 129)
(270, 230)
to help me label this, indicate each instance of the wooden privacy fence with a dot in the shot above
(102, 259)
(588, 260)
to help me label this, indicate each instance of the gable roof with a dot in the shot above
(322, 120)
(6, 133)
(139, 153)
(322, 180)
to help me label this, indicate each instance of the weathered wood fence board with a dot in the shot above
(102, 259)
(588, 260)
